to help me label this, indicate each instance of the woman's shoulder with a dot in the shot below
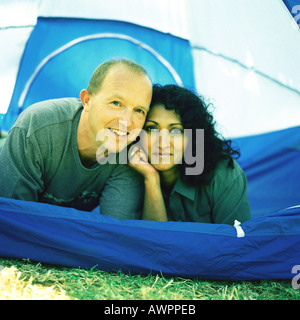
(227, 171)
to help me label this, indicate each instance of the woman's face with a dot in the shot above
(163, 138)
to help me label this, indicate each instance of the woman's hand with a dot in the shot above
(154, 206)
(139, 161)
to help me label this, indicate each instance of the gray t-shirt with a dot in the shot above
(39, 161)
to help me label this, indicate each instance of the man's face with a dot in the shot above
(118, 110)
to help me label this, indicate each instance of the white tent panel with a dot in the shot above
(247, 57)
(18, 13)
(167, 16)
(259, 34)
(17, 19)
(244, 103)
(11, 54)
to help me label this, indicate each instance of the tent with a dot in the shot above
(241, 56)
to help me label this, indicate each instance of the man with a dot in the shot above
(50, 155)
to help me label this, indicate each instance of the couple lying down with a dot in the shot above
(188, 172)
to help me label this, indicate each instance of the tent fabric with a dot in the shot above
(167, 16)
(239, 51)
(271, 163)
(291, 6)
(245, 50)
(61, 68)
(66, 236)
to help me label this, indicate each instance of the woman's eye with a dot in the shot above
(176, 131)
(152, 129)
(116, 103)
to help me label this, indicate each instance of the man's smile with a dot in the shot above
(118, 132)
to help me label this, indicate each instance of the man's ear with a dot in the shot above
(85, 97)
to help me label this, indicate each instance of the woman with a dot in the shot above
(218, 194)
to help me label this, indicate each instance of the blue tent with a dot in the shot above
(46, 73)
(238, 77)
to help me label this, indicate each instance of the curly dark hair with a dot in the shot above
(194, 114)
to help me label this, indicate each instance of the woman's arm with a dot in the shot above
(154, 205)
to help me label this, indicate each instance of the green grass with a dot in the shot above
(95, 284)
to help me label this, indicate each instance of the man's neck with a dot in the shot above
(86, 150)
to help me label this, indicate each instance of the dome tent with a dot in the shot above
(256, 102)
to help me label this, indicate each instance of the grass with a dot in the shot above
(23, 279)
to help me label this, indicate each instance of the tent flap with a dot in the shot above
(66, 236)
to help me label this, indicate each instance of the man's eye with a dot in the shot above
(140, 111)
(116, 103)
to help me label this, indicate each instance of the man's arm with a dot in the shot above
(20, 167)
(122, 197)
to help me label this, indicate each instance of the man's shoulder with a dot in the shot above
(48, 112)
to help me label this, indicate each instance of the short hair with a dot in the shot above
(102, 70)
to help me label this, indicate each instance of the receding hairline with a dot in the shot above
(104, 68)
